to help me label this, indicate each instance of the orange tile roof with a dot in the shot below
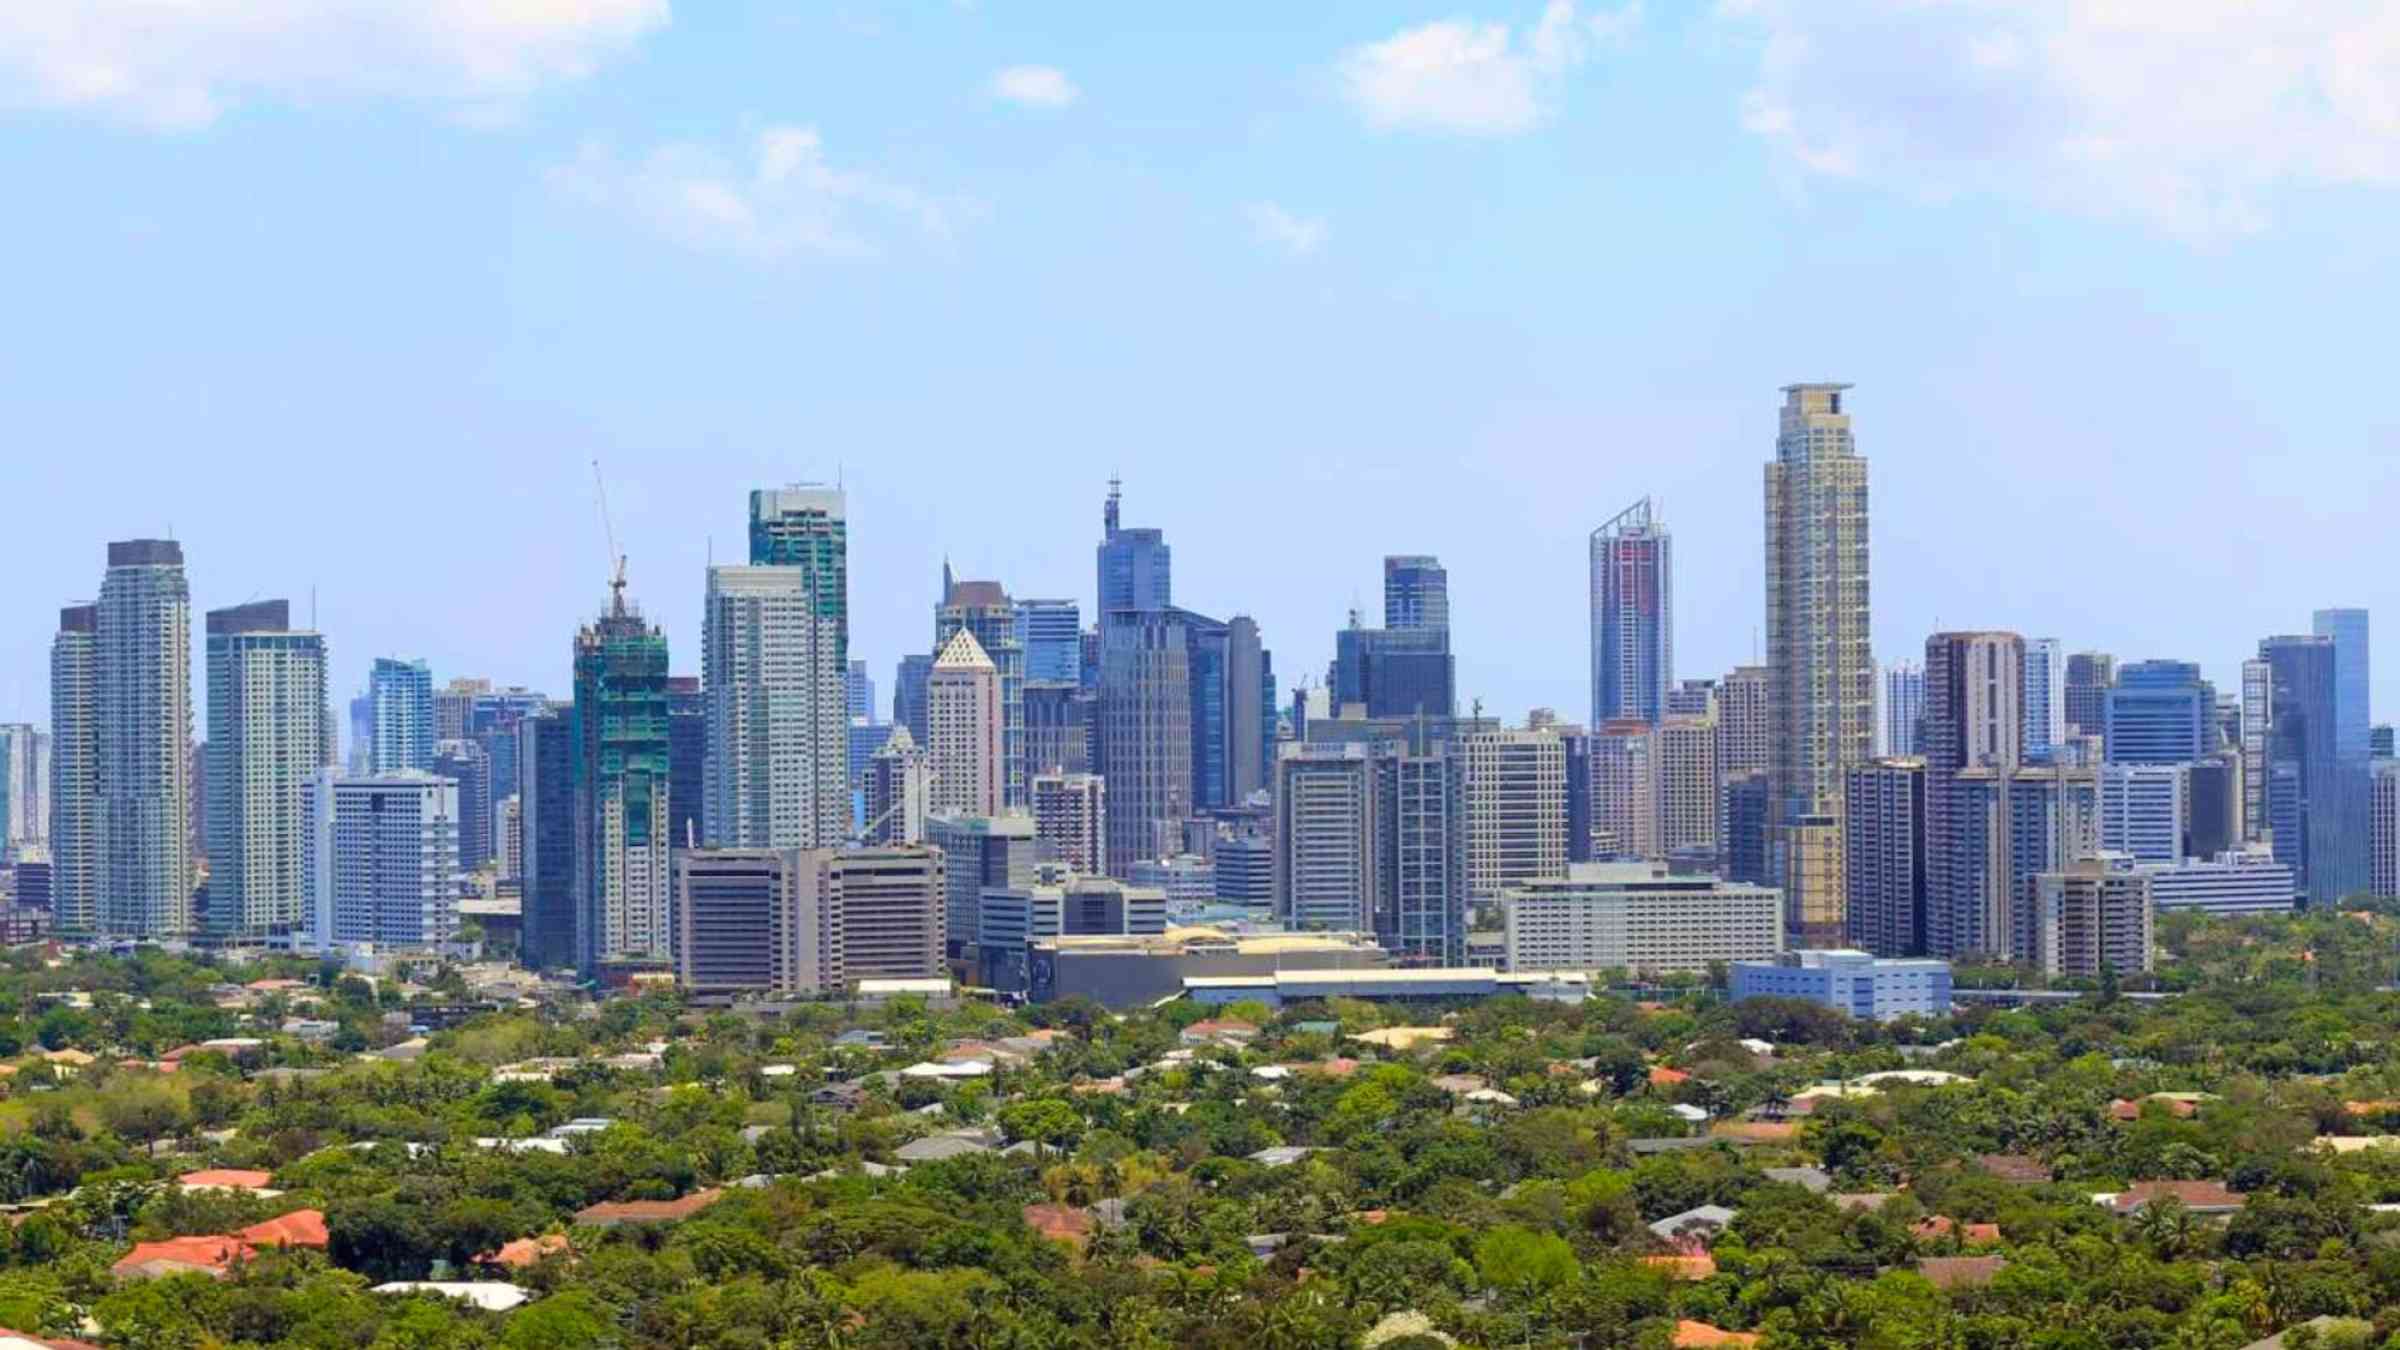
(214, 1255)
(1662, 1076)
(1696, 1266)
(1961, 1272)
(231, 1178)
(649, 1211)
(1059, 1223)
(2370, 1108)
(2193, 1194)
(300, 1228)
(526, 1251)
(1691, 1333)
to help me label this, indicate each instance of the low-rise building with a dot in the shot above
(1870, 988)
(1131, 971)
(1637, 917)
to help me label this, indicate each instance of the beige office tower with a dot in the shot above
(891, 907)
(1745, 722)
(963, 729)
(1688, 788)
(1625, 790)
(1515, 789)
(1820, 652)
(898, 785)
(1070, 814)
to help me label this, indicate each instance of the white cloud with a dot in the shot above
(180, 63)
(1475, 79)
(779, 199)
(1035, 86)
(2191, 114)
(1285, 232)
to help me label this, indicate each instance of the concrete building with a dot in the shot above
(24, 787)
(380, 858)
(2158, 712)
(908, 694)
(1867, 987)
(1394, 672)
(2247, 881)
(1746, 721)
(1326, 843)
(2045, 700)
(546, 825)
(464, 762)
(2005, 828)
(1974, 721)
(807, 526)
(1187, 880)
(1129, 972)
(1246, 871)
(891, 902)
(1146, 732)
(1690, 789)
(1819, 643)
(775, 763)
(1014, 918)
(400, 696)
(687, 761)
(1070, 817)
(75, 813)
(1883, 852)
(898, 791)
(1903, 722)
(982, 608)
(2143, 810)
(1135, 568)
(2093, 916)
(270, 732)
(980, 853)
(1692, 698)
(1058, 727)
(1515, 786)
(1639, 918)
(1750, 827)
(2258, 716)
(2383, 829)
(1633, 617)
(141, 736)
(2089, 675)
(1624, 791)
(623, 782)
(757, 921)
(963, 717)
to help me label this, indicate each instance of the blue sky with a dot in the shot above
(348, 295)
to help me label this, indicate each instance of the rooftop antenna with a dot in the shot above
(616, 581)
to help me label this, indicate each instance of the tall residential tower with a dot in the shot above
(1633, 617)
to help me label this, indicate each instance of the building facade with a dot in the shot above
(380, 855)
(1903, 721)
(1690, 790)
(1416, 592)
(756, 921)
(270, 733)
(979, 853)
(2045, 699)
(1866, 986)
(2158, 712)
(549, 896)
(776, 752)
(1515, 785)
(898, 792)
(2089, 675)
(2144, 809)
(1070, 816)
(142, 661)
(1633, 616)
(1146, 733)
(1135, 568)
(964, 719)
(2246, 881)
(1883, 854)
(1974, 723)
(623, 781)
(400, 697)
(1638, 918)
(24, 787)
(1326, 843)
(2095, 916)
(2317, 798)
(1051, 634)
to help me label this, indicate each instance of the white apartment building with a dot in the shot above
(381, 860)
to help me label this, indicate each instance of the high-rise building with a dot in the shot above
(2383, 830)
(1416, 592)
(981, 853)
(2316, 798)
(1325, 840)
(757, 921)
(270, 732)
(380, 858)
(687, 763)
(898, 792)
(2380, 741)
(360, 755)
(2094, 915)
(24, 787)
(891, 905)
(1070, 816)
(1422, 821)
(1692, 698)
(1580, 801)
(2089, 674)
(140, 716)
(2045, 699)
(1883, 856)
(984, 609)
(622, 776)
(1246, 871)
(1639, 918)
(858, 691)
(2143, 810)
(2004, 828)
(1819, 644)
(1015, 918)
(1051, 634)
(548, 838)
(964, 719)
(454, 706)
(1746, 721)
(1245, 728)
(2352, 723)
(2258, 720)
(2238, 881)
(1974, 721)
(1515, 786)
(1146, 733)
(2214, 825)
(1394, 672)
(1625, 791)
(1903, 721)
(1058, 727)
(464, 762)
(1750, 827)
(776, 762)
(807, 527)
(908, 694)
(1633, 617)
(2158, 712)
(400, 693)
(1135, 569)
(509, 837)
(1690, 790)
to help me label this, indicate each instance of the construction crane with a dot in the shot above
(608, 530)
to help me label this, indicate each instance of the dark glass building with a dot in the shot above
(2158, 712)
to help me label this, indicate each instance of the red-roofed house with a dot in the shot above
(300, 1228)
(211, 1256)
(1941, 1226)
(1691, 1333)
(225, 1179)
(1060, 1223)
(2200, 1197)
(526, 1251)
(611, 1213)
(1662, 1076)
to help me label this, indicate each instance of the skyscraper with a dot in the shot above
(2045, 699)
(1394, 672)
(1689, 790)
(777, 755)
(623, 779)
(1883, 855)
(454, 707)
(2258, 718)
(1135, 568)
(2158, 712)
(1625, 779)
(1051, 632)
(380, 860)
(1903, 709)
(465, 763)
(1416, 592)
(1515, 785)
(2143, 808)
(687, 763)
(1058, 727)
(1819, 644)
(1633, 617)
(1974, 721)
(2316, 799)
(963, 717)
(2351, 720)
(143, 651)
(908, 694)
(1070, 815)
(2089, 674)
(270, 733)
(1146, 734)
(808, 527)
(984, 609)
(401, 696)
(1325, 842)
(859, 691)
(24, 786)
(75, 816)
(749, 921)
(1746, 721)
(548, 839)
(898, 791)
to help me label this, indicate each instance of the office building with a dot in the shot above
(1577, 744)
(2089, 675)
(1515, 794)
(1883, 856)
(1394, 672)
(621, 774)
(2316, 798)
(1246, 871)
(1416, 592)
(891, 902)
(1325, 849)
(963, 717)
(2383, 830)
(1746, 721)
(1974, 721)
(1058, 727)
(2258, 716)
(548, 894)
(807, 527)
(2352, 724)
(1633, 616)
(454, 706)
(2095, 916)
(2238, 881)
(908, 694)
(2004, 828)
(270, 732)
(1690, 793)
(2380, 741)
(1639, 918)
(464, 762)
(1422, 827)
(1135, 572)
(400, 694)
(1187, 880)
(508, 827)
(980, 853)
(1070, 817)
(2214, 804)
(2158, 712)
(757, 921)
(1015, 918)
(898, 792)
(1819, 643)
(1240, 720)
(1146, 731)
(134, 666)
(1750, 827)
(1902, 727)
(983, 609)
(24, 787)
(858, 691)
(687, 762)
(380, 858)
(1625, 790)
(1692, 698)
(2143, 810)
(1868, 987)
(2045, 686)
(1051, 634)
(776, 755)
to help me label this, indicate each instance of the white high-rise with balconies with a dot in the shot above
(270, 732)
(380, 858)
(775, 763)
(143, 739)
